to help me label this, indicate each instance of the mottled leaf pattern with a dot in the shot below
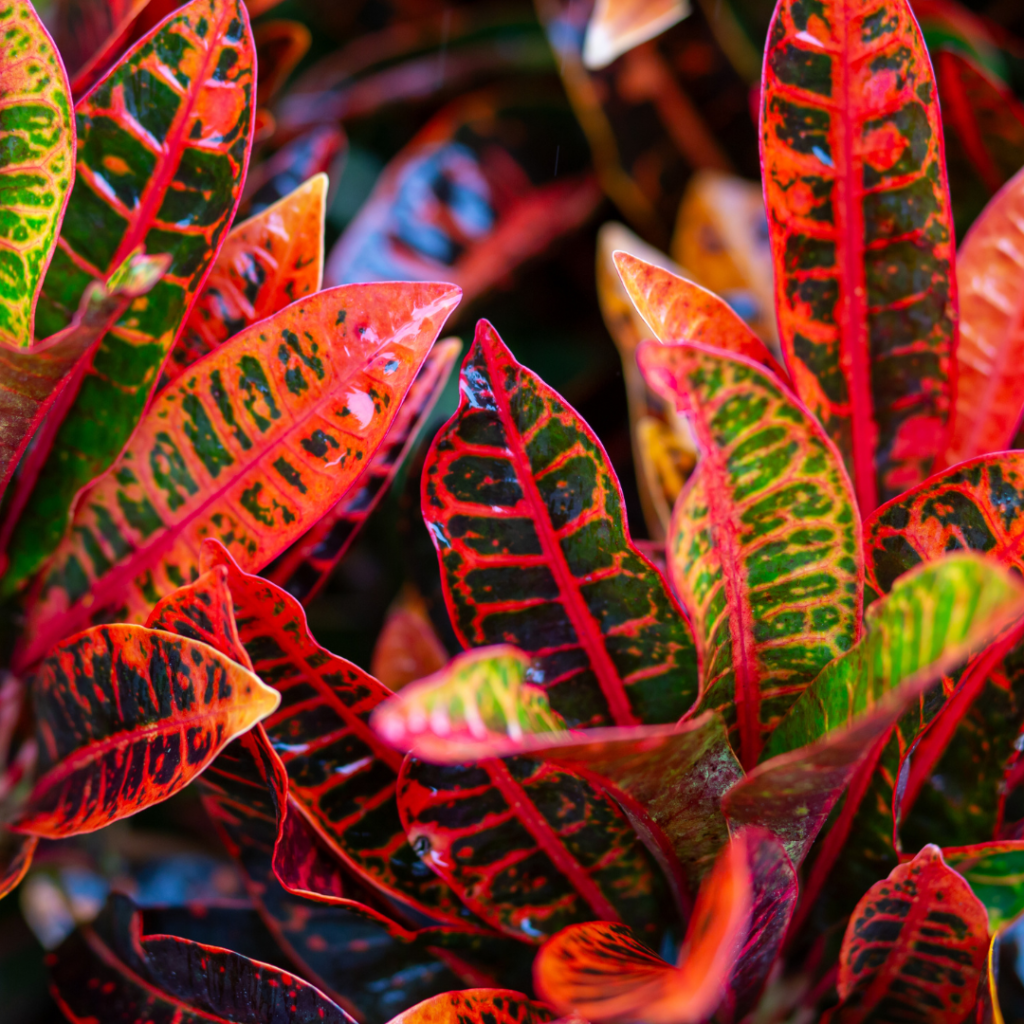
(266, 263)
(915, 948)
(260, 440)
(127, 716)
(530, 847)
(37, 165)
(765, 547)
(163, 146)
(861, 231)
(305, 569)
(602, 973)
(528, 521)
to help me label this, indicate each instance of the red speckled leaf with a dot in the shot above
(109, 970)
(990, 355)
(477, 1006)
(531, 847)
(265, 264)
(341, 775)
(616, 26)
(602, 973)
(126, 717)
(915, 948)
(528, 520)
(861, 232)
(304, 569)
(262, 438)
(677, 310)
(765, 542)
(280, 45)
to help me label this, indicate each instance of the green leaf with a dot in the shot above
(995, 873)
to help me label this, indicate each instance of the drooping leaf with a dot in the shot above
(38, 136)
(995, 873)
(915, 948)
(677, 310)
(477, 1006)
(109, 970)
(280, 45)
(989, 384)
(163, 146)
(342, 777)
(528, 521)
(31, 382)
(126, 717)
(616, 26)
(602, 973)
(305, 569)
(765, 542)
(531, 847)
(498, 209)
(256, 443)
(266, 263)
(861, 231)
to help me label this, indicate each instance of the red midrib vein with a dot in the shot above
(586, 629)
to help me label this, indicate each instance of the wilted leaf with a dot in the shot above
(164, 178)
(861, 231)
(528, 520)
(256, 443)
(765, 545)
(126, 717)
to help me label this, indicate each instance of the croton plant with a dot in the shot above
(770, 773)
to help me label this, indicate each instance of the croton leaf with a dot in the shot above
(266, 263)
(254, 445)
(87, 32)
(616, 26)
(989, 380)
(126, 717)
(765, 545)
(477, 1006)
(313, 153)
(528, 520)
(342, 777)
(600, 972)
(163, 146)
(995, 873)
(407, 646)
(110, 970)
(38, 164)
(530, 846)
(16, 853)
(280, 45)
(677, 310)
(915, 949)
(31, 382)
(861, 232)
(305, 569)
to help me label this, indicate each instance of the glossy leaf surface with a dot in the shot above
(341, 776)
(529, 846)
(861, 231)
(252, 447)
(126, 717)
(616, 26)
(915, 948)
(602, 973)
(764, 548)
(477, 1006)
(110, 971)
(266, 263)
(306, 568)
(528, 521)
(161, 160)
(37, 168)
(995, 873)
(990, 276)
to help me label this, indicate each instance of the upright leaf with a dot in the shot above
(989, 378)
(266, 263)
(305, 569)
(163, 146)
(110, 969)
(477, 1006)
(861, 231)
(616, 26)
(915, 948)
(37, 168)
(407, 646)
(601, 973)
(528, 521)
(126, 717)
(342, 778)
(253, 446)
(765, 542)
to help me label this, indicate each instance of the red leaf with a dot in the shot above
(280, 45)
(476, 1006)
